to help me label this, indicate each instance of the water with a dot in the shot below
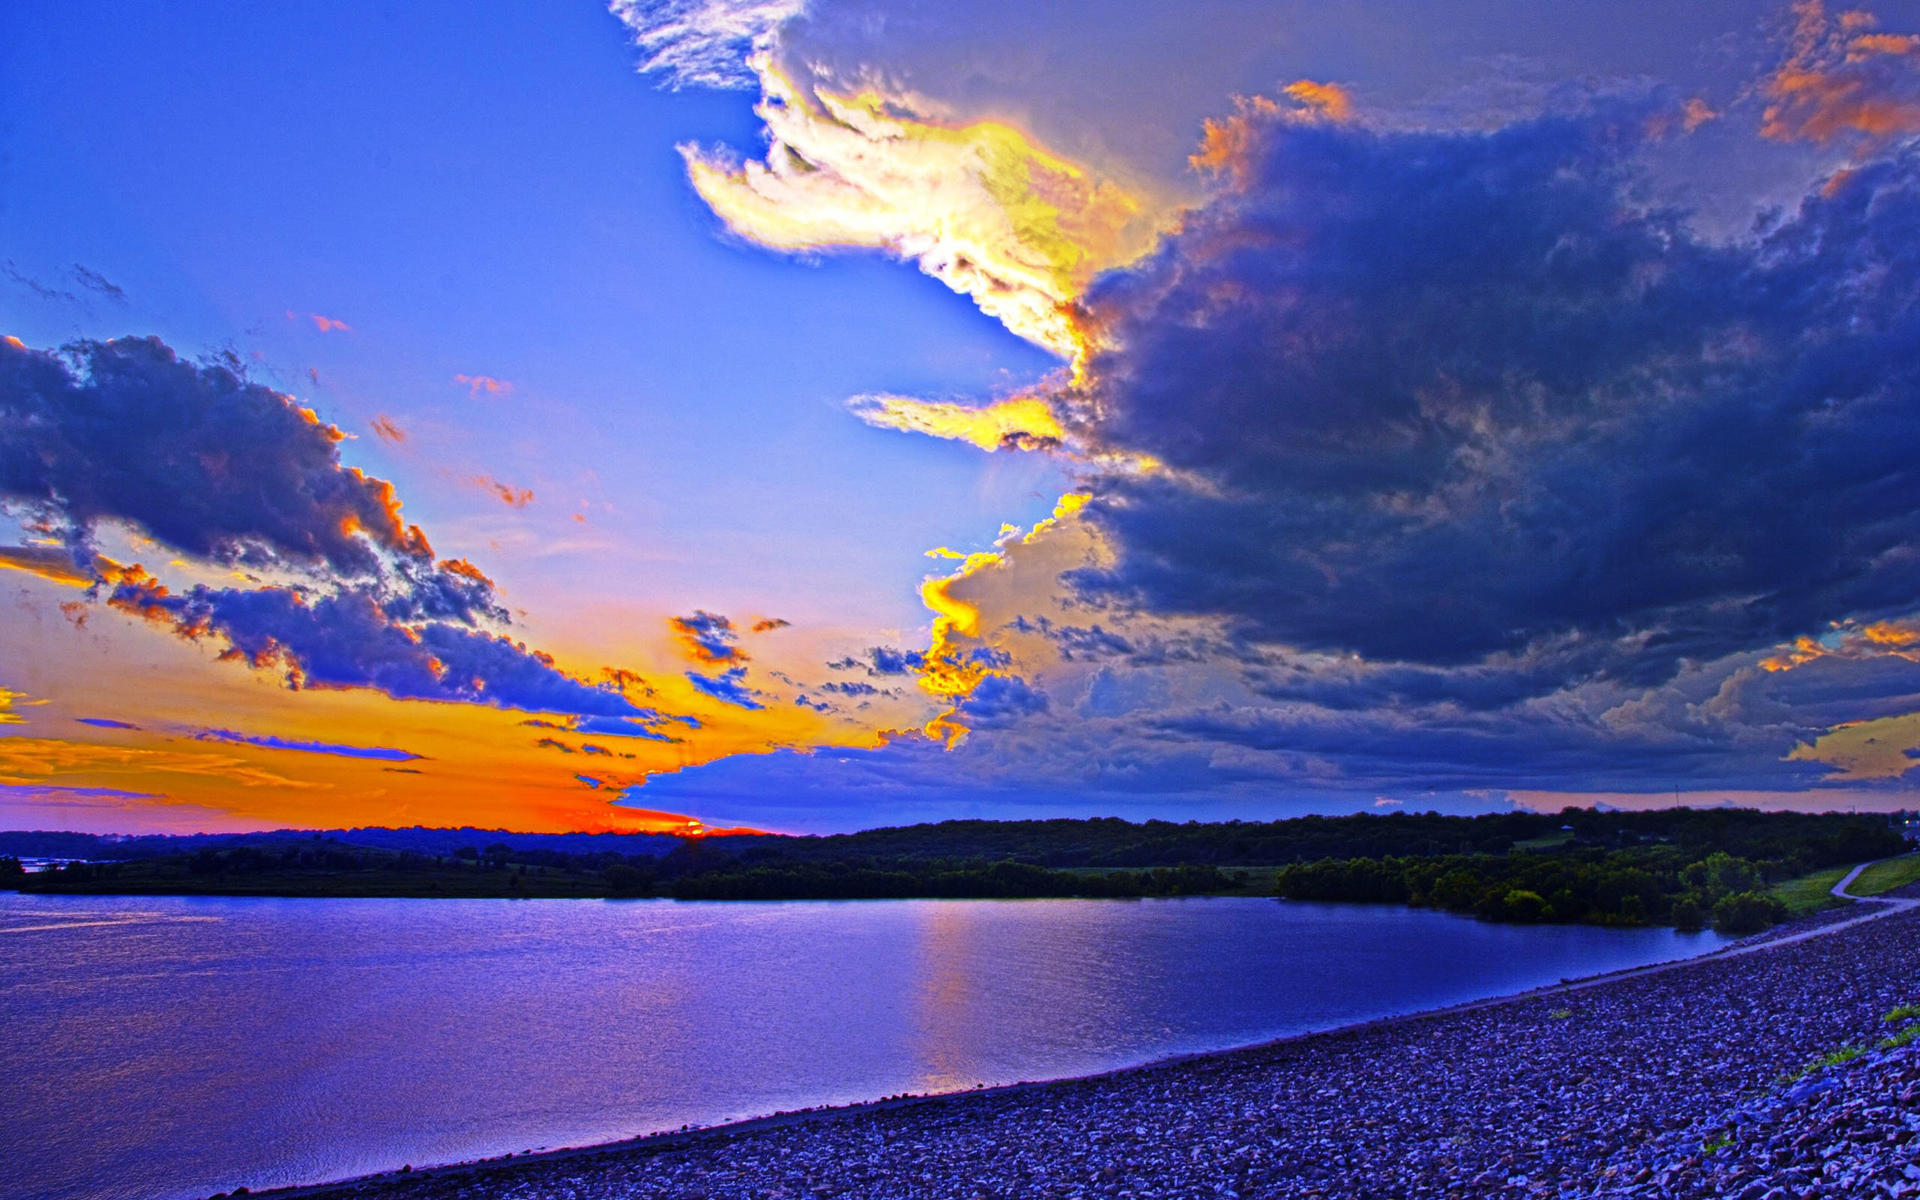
(176, 1047)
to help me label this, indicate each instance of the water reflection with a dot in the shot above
(177, 1047)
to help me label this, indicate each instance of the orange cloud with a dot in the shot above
(1897, 639)
(1841, 82)
(1329, 100)
(27, 761)
(1227, 143)
(484, 383)
(387, 431)
(461, 567)
(512, 497)
(769, 624)
(326, 324)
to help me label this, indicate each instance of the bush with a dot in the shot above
(1747, 912)
(1688, 915)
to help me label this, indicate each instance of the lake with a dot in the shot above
(174, 1047)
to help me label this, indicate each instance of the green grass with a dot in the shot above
(1845, 1054)
(1551, 841)
(1905, 1012)
(1810, 893)
(1887, 875)
(1900, 1039)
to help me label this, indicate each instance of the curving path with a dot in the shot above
(1840, 889)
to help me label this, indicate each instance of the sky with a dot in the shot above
(813, 415)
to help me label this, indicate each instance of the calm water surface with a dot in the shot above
(177, 1047)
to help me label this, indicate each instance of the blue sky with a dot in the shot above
(632, 344)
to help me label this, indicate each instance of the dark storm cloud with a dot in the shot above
(1076, 641)
(1435, 397)
(197, 457)
(223, 469)
(1001, 700)
(1504, 751)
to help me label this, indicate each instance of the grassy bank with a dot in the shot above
(1883, 877)
(1809, 893)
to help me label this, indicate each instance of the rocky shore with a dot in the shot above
(1692, 1081)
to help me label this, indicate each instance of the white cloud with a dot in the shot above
(704, 43)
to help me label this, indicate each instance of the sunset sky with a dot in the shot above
(812, 415)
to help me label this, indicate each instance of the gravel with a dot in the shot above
(1682, 1082)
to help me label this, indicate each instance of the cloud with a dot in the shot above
(476, 384)
(48, 562)
(708, 638)
(270, 742)
(387, 430)
(1435, 397)
(1842, 80)
(1019, 423)
(328, 324)
(105, 723)
(887, 660)
(363, 638)
(978, 205)
(729, 686)
(769, 624)
(512, 497)
(30, 762)
(226, 470)
(1878, 749)
(93, 281)
(634, 727)
(42, 290)
(704, 43)
(1000, 700)
(8, 698)
(195, 456)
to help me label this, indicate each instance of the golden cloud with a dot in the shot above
(1019, 423)
(1879, 749)
(980, 206)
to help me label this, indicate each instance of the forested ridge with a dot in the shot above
(1678, 866)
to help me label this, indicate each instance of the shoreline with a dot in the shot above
(825, 1119)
